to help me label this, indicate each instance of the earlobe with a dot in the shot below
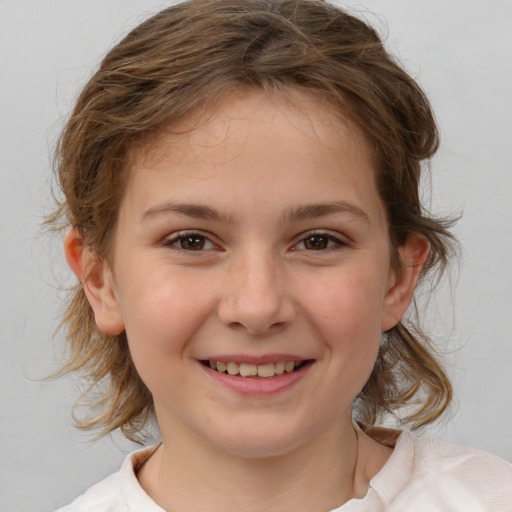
(97, 282)
(402, 283)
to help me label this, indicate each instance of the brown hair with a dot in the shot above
(193, 54)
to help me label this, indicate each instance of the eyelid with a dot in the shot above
(336, 237)
(171, 239)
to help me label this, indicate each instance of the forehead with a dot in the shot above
(250, 146)
(225, 121)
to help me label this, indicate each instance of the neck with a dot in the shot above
(320, 475)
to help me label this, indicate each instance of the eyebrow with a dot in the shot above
(303, 212)
(311, 211)
(196, 211)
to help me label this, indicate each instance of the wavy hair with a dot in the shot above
(190, 56)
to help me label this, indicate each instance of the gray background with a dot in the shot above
(459, 51)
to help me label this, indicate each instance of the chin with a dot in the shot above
(257, 451)
(259, 445)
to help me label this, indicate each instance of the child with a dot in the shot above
(241, 180)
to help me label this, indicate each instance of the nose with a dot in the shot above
(256, 297)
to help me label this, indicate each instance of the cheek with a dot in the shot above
(346, 304)
(346, 311)
(162, 316)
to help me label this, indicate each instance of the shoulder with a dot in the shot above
(456, 476)
(461, 462)
(119, 492)
(101, 497)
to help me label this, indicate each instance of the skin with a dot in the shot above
(258, 287)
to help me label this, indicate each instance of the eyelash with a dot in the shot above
(332, 241)
(178, 239)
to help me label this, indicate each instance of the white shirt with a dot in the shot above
(422, 475)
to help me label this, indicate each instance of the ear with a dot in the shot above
(402, 282)
(97, 281)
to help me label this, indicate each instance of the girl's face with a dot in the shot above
(258, 242)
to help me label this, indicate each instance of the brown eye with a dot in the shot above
(189, 241)
(192, 242)
(319, 242)
(316, 242)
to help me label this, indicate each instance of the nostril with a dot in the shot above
(264, 330)
(256, 313)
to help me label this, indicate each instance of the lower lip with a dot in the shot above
(258, 386)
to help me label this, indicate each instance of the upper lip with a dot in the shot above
(257, 360)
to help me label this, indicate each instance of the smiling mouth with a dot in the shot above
(265, 371)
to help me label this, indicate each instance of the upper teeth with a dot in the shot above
(253, 370)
